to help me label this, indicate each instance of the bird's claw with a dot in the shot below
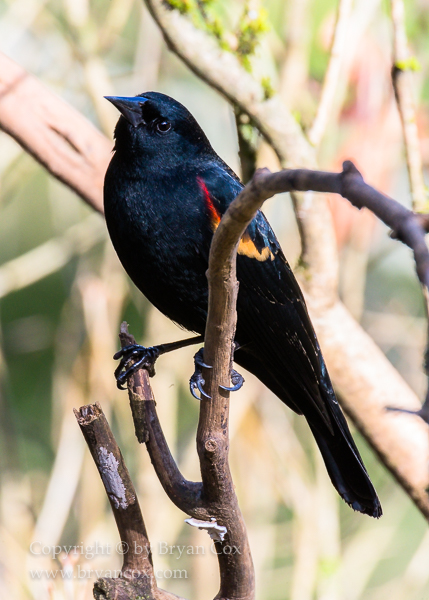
(133, 358)
(203, 364)
(197, 381)
(237, 381)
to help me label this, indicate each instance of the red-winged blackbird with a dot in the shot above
(164, 194)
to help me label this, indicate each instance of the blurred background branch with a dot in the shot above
(53, 132)
(402, 76)
(333, 71)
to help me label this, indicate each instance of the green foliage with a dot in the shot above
(267, 87)
(183, 6)
(410, 64)
(253, 24)
(242, 41)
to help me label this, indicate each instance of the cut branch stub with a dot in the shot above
(119, 488)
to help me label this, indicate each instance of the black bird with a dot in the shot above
(164, 194)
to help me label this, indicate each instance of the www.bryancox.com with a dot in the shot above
(81, 573)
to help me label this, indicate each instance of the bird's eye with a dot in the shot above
(163, 126)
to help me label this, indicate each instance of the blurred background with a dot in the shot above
(63, 295)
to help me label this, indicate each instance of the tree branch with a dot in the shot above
(120, 491)
(53, 132)
(332, 73)
(402, 84)
(237, 572)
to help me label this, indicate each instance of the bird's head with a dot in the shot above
(155, 126)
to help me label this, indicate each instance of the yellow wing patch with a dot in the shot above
(246, 247)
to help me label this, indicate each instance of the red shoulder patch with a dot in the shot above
(214, 214)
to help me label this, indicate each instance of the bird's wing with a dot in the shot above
(272, 314)
(278, 341)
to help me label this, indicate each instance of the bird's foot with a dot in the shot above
(133, 358)
(197, 381)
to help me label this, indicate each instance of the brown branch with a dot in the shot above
(403, 85)
(237, 572)
(53, 132)
(185, 494)
(137, 577)
(406, 225)
(401, 444)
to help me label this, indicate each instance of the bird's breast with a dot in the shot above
(163, 244)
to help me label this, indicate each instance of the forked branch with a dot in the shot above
(212, 502)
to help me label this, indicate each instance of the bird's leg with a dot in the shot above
(197, 381)
(135, 357)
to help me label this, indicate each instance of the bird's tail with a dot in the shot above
(345, 467)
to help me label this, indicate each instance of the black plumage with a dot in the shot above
(165, 191)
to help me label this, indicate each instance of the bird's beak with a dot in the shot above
(129, 107)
